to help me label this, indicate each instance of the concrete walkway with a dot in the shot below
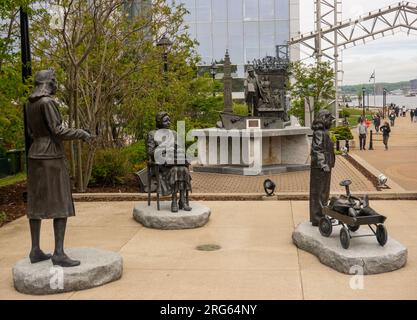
(257, 259)
(399, 163)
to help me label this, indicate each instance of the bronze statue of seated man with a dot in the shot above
(164, 151)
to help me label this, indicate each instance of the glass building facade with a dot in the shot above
(249, 29)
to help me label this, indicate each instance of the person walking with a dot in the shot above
(377, 122)
(404, 111)
(392, 118)
(412, 115)
(386, 130)
(415, 115)
(362, 131)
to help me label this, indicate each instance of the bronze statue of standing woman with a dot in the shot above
(49, 188)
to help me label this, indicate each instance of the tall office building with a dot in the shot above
(249, 29)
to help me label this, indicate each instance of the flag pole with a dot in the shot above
(374, 89)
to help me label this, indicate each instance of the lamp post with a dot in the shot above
(164, 42)
(384, 102)
(213, 72)
(363, 101)
(26, 67)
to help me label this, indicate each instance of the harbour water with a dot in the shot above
(409, 102)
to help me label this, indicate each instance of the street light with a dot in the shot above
(384, 102)
(363, 101)
(26, 68)
(213, 72)
(164, 42)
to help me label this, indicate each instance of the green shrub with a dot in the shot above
(240, 109)
(111, 166)
(344, 113)
(135, 153)
(342, 133)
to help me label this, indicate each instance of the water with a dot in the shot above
(409, 102)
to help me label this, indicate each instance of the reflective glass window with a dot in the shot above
(251, 40)
(282, 31)
(203, 10)
(236, 42)
(235, 10)
(266, 9)
(205, 40)
(190, 6)
(282, 9)
(251, 10)
(219, 40)
(219, 10)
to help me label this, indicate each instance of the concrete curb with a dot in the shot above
(371, 172)
(300, 196)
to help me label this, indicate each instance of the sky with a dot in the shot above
(394, 57)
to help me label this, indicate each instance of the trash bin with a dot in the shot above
(15, 160)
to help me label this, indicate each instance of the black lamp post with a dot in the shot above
(164, 42)
(363, 101)
(384, 102)
(26, 67)
(213, 72)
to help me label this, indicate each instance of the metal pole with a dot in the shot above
(26, 68)
(371, 142)
(336, 65)
(363, 102)
(374, 89)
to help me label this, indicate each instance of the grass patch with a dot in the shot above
(10, 180)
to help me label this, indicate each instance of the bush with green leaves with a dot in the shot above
(240, 109)
(342, 133)
(135, 154)
(110, 168)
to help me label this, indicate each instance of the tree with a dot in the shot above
(111, 68)
(12, 90)
(316, 81)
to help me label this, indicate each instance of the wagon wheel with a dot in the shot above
(344, 238)
(381, 234)
(353, 228)
(325, 227)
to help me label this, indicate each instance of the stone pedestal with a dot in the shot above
(164, 219)
(364, 252)
(97, 267)
(253, 151)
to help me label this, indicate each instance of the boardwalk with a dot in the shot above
(399, 163)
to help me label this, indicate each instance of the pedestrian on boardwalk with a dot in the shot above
(415, 115)
(397, 111)
(386, 130)
(404, 111)
(362, 131)
(412, 115)
(377, 122)
(392, 118)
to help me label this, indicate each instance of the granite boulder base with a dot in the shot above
(364, 252)
(164, 219)
(97, 268)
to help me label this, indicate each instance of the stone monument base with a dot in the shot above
(164, 219)
(97, 267)
(363, 252)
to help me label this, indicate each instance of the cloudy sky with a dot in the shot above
(394, 57)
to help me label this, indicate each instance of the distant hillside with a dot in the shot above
(354, 89)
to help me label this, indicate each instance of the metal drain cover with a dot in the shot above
(208, 247)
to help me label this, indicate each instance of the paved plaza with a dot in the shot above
(285, 182)
(257, 259)
(399, 162)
